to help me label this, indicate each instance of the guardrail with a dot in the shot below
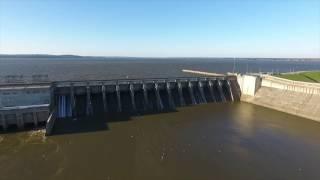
(290, 85)
(115, 81)
(21, 79)
(146, 80)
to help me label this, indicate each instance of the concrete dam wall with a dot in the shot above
(24, 106)
(32, 105)
(299, 104)
(297, 98)
(78, 99)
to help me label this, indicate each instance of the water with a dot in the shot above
(92, 68)
(211, 141)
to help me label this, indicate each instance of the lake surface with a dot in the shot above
(94, 68)
(209, 141)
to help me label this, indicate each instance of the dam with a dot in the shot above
(74, 99)
(29, 105)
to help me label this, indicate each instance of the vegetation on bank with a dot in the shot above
(312, 76)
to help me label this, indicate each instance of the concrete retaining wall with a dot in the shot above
(296, 103)
(293, 97)
(24, 95)
(249, 84)
(23, 115)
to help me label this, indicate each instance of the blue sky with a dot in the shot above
(162, 28)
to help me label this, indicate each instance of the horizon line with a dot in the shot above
(156, 57)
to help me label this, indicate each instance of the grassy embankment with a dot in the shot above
(313, 76)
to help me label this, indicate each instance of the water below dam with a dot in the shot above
(210, 141)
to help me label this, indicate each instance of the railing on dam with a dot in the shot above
(290, 85)
(19, 117)
(22, 79)
(84, 98)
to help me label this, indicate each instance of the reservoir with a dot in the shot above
(208, 141)
(90, 68)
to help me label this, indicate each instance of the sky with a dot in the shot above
(162, 28)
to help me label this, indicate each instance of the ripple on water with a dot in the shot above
(36, 137)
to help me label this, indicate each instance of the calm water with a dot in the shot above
(93, 68)
(212, 141)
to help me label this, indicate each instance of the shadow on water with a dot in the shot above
(94, 123)
(13, 128)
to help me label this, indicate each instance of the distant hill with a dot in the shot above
(37, 56)
(48, 56)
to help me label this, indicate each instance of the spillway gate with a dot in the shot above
(85, 98)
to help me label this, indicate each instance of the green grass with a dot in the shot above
(305, 76)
